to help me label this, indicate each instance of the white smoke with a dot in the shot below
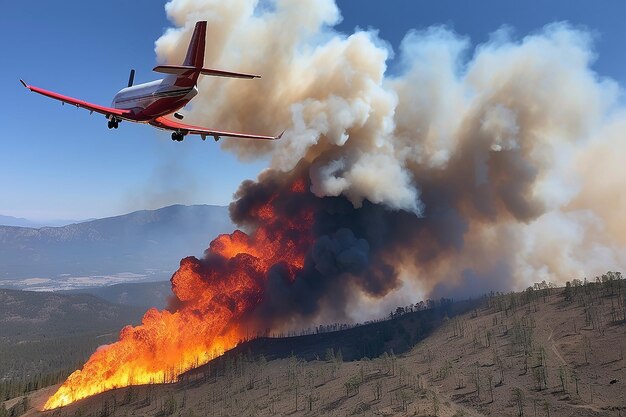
(524, 136)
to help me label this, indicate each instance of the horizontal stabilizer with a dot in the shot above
(184, 69)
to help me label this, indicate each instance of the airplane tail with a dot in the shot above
(188, 73)
(195, 52)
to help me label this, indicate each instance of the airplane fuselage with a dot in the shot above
(157, 98)
(151, 102)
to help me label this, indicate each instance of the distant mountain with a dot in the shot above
(21, 222)
(143, 242)
(16, 221)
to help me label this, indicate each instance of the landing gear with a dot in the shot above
(113, 124)
(177, 137)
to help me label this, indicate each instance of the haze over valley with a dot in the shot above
(141, 246)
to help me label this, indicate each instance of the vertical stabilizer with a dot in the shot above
(195, 53)
(186, 75)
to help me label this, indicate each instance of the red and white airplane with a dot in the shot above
(150, 102)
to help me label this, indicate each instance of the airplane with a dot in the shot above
(151, 102)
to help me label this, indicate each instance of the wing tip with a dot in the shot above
(23, 83)
(279, 136)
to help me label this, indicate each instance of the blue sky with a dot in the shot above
(60, 162)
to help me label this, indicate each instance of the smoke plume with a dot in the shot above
(467, 169)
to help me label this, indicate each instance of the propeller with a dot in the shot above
(131, 78)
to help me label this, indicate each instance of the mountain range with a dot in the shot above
(143, 245)
(22, 222)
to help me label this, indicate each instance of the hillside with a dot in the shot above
(548, 352)
(149, 243)
(371, 340)
(141, 294)
(48, 333)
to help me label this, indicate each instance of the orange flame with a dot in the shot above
(213, 293)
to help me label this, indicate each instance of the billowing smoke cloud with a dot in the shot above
(468, 170)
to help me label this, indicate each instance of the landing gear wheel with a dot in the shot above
(113, 124)
(177, 137)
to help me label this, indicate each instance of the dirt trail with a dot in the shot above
(555, 349)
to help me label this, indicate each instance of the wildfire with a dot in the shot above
(213, 294)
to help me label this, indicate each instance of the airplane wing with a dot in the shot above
(107, 111)
(167, 124)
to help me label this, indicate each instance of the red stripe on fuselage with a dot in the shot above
(154, 104)
(160, 107)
